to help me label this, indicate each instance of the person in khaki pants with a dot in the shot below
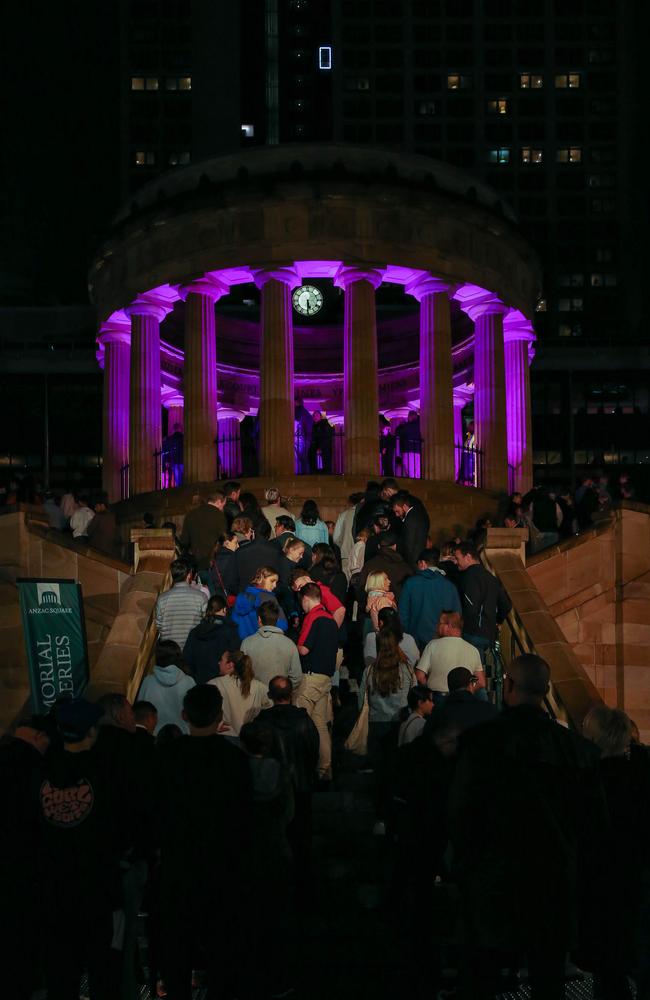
(318, 647)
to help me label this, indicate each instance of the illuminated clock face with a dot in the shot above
(307, 300)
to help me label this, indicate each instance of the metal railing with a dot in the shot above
(235, 459)
(124, 482)
(469, 461)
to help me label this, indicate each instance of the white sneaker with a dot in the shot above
(379, 829)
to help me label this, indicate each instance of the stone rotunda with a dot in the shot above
(352, 281)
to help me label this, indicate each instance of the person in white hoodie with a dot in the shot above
(167, 686)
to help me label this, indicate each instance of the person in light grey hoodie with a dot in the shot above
(167, 686)
(272, 653)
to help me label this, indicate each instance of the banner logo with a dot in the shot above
(48, 594)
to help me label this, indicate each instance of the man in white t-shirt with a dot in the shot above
(80, 519)
(448, 651)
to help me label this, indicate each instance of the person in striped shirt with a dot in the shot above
(181, 607)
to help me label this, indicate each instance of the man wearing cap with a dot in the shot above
(21, 773)
(82, 842)
(461, 706)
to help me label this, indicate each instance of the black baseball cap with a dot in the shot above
(75, 719)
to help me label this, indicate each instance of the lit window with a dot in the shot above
(144, 158)
(178, 83)
(597, 281)
(610, 280)
(571, 155)
(605, 205)
(151, 83)
(178, 159)
(426, 107)
(325, 57)
(531, 81)
(498, 106)
(137, 83)
(248, 131)
(570, 280)
(567, 80)
(570, 330)
(541, 306)
(570, 305)
(529, 155)
(499, 155)
(357, 83)
(455, 81)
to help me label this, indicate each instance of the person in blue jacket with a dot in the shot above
(258, 592)
(424, 596)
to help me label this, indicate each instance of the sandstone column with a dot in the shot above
(436, 375)
(228, 435)
(360, 391)
(518, 336)
(486, 311)
(145, 415)
(276, 411)
(115, 335)
(459, 436)
(200, 381)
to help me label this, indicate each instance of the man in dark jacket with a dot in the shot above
(285, 528)
(415, 526)
(202, 527)
(251, 555)
(85, 831)
(484, 602)
(22, 770)
(424, 597)
(232, 507)
(205, 828)
(389, 561)
(461, 708)
(532, 790)
(296, 744)
(207, 642)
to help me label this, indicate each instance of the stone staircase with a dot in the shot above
(118, 603)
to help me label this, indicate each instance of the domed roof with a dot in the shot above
(305, 160)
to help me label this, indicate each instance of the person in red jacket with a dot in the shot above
(318, 647)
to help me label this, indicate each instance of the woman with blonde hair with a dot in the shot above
(243, 695)
(379, 596)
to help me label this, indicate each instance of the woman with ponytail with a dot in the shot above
(243, 695)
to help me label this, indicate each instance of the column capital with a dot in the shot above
(349, 274)
(150, 304)
(287, 275)
(210, 287)
(114, 331)
(517, 327)
(476, 302)
(462, 396)
(425, 284)
(170, 397)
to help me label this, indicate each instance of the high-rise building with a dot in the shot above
(542, 100)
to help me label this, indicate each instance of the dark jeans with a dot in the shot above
(382, 741)
(79, 936)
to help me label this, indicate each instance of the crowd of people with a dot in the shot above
(290, 650)
(553, 514)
